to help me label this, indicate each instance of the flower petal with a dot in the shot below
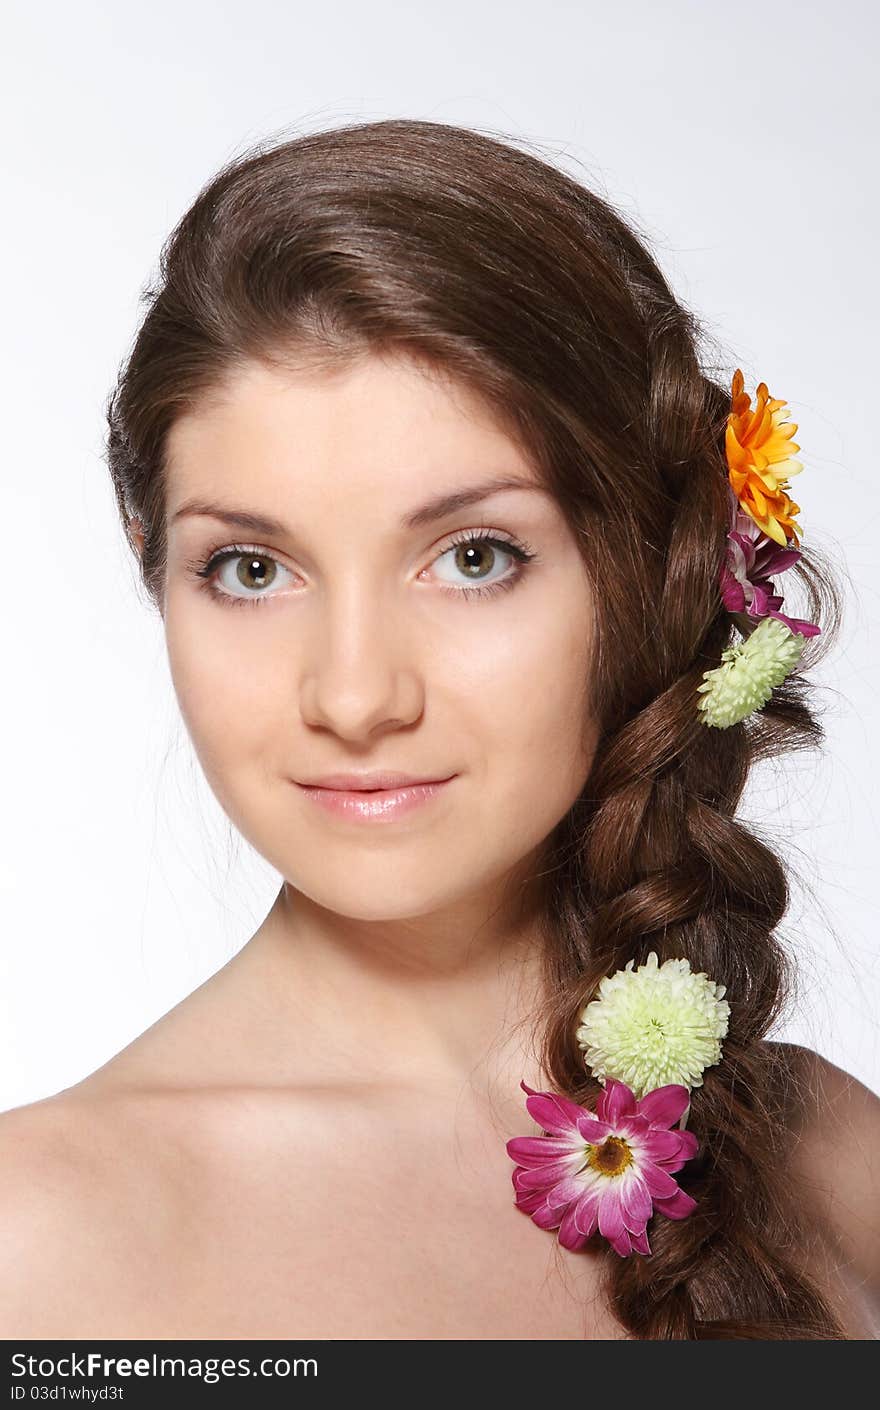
(660, 1145)
(592, 1130)
(533, 1151)
(664, 1105)
(547, 1218)
(660, 1183)
(678, 1206)
(564, 1191)
(636, 1203)
(633, 1125)
(610, 1214)
(622, 1244)
(689, 1144)
(569, 1234)
(529, 1201)
(556, 1113)
(587, 1212)
(543, 1176)
(797, 624)
(615, 1102)
(687, 1150)
(640, 1242)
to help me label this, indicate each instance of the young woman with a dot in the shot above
(434, 498)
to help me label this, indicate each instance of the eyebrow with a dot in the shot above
(437, 508)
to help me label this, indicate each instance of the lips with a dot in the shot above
(372, 782)
(375, 805)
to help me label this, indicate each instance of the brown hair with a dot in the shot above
(486, 262)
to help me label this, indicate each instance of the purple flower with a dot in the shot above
(746, 582)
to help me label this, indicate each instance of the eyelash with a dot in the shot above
(207, 568)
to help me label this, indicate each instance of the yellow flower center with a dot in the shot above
(612, 1157)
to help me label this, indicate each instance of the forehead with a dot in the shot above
(379, 427)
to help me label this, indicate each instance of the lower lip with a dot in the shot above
(383, 805)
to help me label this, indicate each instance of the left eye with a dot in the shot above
(471, 555)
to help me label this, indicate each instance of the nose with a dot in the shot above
(362, 672)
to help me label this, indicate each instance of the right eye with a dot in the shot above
(255, 568)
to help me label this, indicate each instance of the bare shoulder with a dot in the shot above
(67, 1148)
(84, 1195)
(46, 1158)
(43, 1180)
(833, 1123)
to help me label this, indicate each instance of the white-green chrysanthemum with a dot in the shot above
(749, 672)
(654, 1025)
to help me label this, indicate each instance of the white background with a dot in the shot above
(742, 141)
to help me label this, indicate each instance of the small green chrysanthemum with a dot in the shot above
(750, 669)
(654, 1025)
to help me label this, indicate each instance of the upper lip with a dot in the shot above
(361, 783)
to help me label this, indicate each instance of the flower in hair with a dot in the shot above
(760, 459)
(746, 577)
(607, 1171)
(654, 1025)
(748, 674)
(762, 540)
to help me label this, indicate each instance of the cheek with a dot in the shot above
(225, 701)
(543, 751)
(544, 737)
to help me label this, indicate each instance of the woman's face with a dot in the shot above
(345, 639)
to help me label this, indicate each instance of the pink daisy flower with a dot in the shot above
(607, 1170)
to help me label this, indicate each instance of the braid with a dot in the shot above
(652, 857)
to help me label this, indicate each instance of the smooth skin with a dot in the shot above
(312, 1144)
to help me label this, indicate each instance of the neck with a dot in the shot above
(429, 1003)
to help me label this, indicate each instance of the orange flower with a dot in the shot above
(760, 459)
